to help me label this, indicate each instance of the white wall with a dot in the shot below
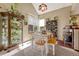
(33, 21)
(75, 8)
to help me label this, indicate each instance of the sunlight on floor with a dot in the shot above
(21, 47)
(24, 45)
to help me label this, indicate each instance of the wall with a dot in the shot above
(63, 18)
(75, 9)
(28, 10)
(33, 21)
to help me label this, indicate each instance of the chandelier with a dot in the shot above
(42, 7)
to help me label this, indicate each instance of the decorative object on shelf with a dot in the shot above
(42, 7)
(73, 20)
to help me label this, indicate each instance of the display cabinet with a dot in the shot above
(11, 29)
(4, 29)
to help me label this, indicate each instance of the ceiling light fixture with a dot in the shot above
(42, 7)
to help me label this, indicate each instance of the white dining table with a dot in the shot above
(38, 36)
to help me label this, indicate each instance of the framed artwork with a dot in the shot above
(30, 28)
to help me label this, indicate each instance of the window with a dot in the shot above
(42, 22)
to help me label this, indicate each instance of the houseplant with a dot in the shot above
(73, 20)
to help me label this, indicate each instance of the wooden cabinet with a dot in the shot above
(11, 29)
(76, 39)
(4, 30)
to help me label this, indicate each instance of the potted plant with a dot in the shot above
(73, 20)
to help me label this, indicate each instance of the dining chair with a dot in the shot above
(52, 42)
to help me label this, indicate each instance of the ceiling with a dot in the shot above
(50, 7)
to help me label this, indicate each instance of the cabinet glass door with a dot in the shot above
(16, 30)
(5, 31)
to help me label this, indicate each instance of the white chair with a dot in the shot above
(53, 46)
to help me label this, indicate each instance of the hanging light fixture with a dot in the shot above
(42, 7)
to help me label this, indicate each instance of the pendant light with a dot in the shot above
(42, 7)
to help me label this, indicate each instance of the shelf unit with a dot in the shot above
(51, 25)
